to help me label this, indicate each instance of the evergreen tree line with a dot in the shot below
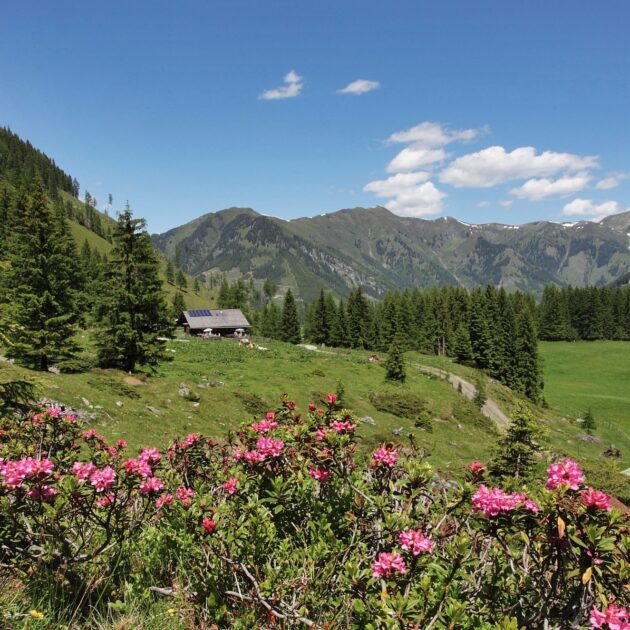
(48, 288)
(21, 162)
(485, 328)
(587, 313)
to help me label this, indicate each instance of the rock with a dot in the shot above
(184, 392)
(397, 431)
(368, 420)
(216, 383)
(203, 385)
(612, 451)
(53, 369)
(86, 402)
(590, 438)
(132, 380)
(98, 406)
(157, 412)
(196, 404)
(119, 403)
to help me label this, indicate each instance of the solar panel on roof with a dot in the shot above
(200, 313)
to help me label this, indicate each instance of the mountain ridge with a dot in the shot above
(382, 251)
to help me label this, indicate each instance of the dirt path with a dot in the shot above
(490, 409)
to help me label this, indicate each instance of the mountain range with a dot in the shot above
(382, 251)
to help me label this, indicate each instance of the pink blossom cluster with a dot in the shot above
(190, 440)
(265, 425)
(321, 474)
(105, 501)
(613, 618)
(268, 447)
(343, 427)
(14, 473)
(91, 434)
(83, 470)
(494, 501)
(387, 564)
(415, 541)
(102, 480)
(331, 399)
(230, 485)
(386, 455)
(151, 485)
(565, 473)
(163, 500)
(208, 524)
(595, 499)
(477, 468)
(321, 433)
(185, 495)
(42, 493)
(138, 467)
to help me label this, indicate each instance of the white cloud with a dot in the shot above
(495, 165)
(537, 189)
(413, 195)
(483, 204)
(414, 157)
(588, 208)
(431, 134)
(421, 201)
(360, 86)
(612, 181)
(293, 86)
(506, 203)
(396, 184)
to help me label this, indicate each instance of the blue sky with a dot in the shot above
(486, 111)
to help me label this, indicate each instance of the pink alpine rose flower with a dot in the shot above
(343, 427)
(164, 500)
(42, 493)
(151, 485)
(386, 455)
(185, 495)
(230, 485)
(595, 499)
(565, 473)
(415, 541)
(103, 480)
(387, 564)
(208, 524)
(331, 399)
(264, 426)
(477, 468)
(82, 471)
(321, 474)
(613, 618)
(268, 447)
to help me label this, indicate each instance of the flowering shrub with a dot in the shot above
(289, 524)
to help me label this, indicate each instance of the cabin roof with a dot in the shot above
(214, 318)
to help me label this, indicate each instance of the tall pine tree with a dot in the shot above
(290, 331)
(135, 314)
(39, 284)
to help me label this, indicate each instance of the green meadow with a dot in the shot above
(596, 375)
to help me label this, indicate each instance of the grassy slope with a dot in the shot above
(460, 435)
(596, 375)
(205, 298)
(577, 375)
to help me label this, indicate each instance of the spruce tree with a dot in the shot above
(395, 365)
(135, 313)
(528, 379)
(339, 328)
(170, 272)
(180, 280)
(40, 284)
(320, 332)
(463, 348)
(178, 305)
(196, 286)
(290, 330)
(515, 453)
(589, 421)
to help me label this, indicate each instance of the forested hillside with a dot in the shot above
(380, 251)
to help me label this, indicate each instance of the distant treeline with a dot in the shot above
(21, 162)
(584, 313)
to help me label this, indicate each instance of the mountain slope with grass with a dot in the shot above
(382, 251)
